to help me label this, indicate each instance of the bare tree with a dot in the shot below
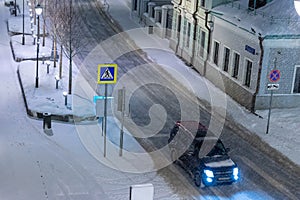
(70, 34)
(53, 23)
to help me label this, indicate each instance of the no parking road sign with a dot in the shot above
(107, 73)
(274, 75)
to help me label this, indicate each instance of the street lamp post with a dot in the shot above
(38, 11)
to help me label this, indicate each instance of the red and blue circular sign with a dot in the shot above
(274, 75)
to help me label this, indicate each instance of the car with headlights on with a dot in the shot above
(202, 154)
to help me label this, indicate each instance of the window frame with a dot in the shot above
(188, 34)
(297, 67)
(235, 68)
(247, 76)
(216, 55)
(202, 39)
(226, 58)
(202, 3)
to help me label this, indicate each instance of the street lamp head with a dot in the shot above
(38, 9)
(297, 6)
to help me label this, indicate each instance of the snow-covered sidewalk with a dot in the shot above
(49, 96)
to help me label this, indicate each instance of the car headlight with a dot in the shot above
(209, 173)
(235, 171)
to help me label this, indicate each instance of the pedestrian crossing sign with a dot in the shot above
(107, 73)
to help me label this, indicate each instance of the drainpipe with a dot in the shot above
(177, 32)
(260, 39)
(209, 41)
(195, 31)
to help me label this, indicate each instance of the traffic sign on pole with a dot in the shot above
(274, 75)
(273, 86)
(107, 73)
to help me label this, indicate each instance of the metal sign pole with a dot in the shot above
(122, 122)
(274, 77)
(102, 126)
(107, 74)
(105, 118)
(269, 115)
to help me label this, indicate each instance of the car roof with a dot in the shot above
(209, 138)
(192, 126)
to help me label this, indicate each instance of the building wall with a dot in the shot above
(243, 42)
(230, 36)
(222, 33)
(286, 61)
(182, 41)
(158, 15)
(235, 87)
(143, 4)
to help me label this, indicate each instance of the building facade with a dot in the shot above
(154, 13)
(242, 41)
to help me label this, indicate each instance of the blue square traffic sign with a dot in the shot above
(107, 73)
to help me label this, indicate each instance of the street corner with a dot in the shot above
(44, 92)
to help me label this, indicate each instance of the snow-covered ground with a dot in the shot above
(35, 166)
(52, 170)
(283, 134)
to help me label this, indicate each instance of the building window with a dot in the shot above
(248, 73)
(179, 23)
(236, 64)
(296, 88)
(159, 17)
(202, 43)
(146, 9)
(226, 59)
(188, 34)
(203, 3)
(184, 28)
(134, 5)
(216, 52)
(153, 12)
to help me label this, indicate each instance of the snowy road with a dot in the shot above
(262, 176)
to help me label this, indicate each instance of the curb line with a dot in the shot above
(38, 115)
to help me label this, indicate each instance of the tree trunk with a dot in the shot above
(44, 34)
(60, 61)
(70, 49)
(70, 72)
(54, 51)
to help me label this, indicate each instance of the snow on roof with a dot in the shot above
(277, 18)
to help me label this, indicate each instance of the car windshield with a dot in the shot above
(217, 150)
(211, 148)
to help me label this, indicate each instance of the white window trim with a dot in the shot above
(232, 64)
(294, 78)
(245, 72)
(223, 59)
(188, 34)
(199, 43)
(213, 54)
